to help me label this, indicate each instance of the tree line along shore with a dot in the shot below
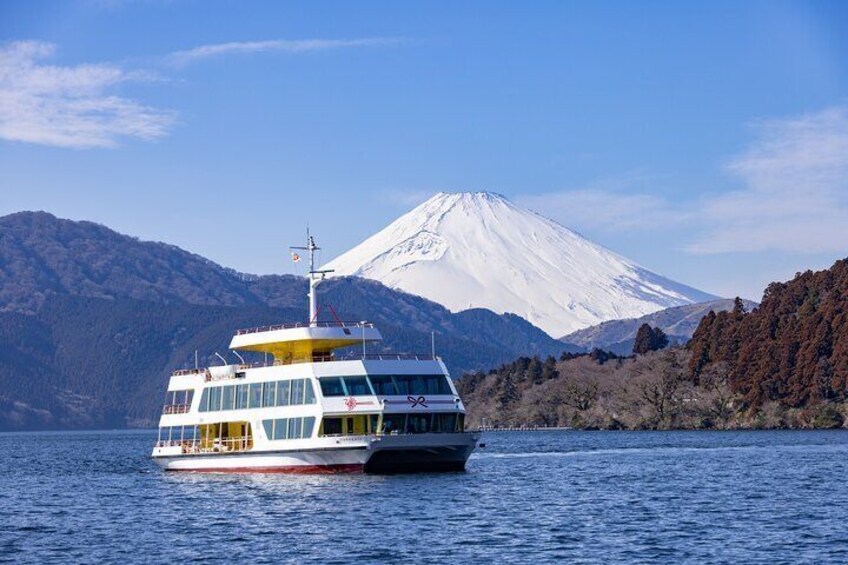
(782, 365)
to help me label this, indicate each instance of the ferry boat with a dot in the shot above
(312, 409)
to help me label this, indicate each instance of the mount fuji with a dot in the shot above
(479, 250)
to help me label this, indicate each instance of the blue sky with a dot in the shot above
(707, 141)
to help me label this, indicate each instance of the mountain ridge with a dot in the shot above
(677, 322)
(79, 349)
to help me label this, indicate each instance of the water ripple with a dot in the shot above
(580, 496)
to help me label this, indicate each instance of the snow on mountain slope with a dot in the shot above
(469, 250)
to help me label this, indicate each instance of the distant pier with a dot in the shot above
(524, 428)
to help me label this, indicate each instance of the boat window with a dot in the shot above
(281, 428)
(418, 423)
(332, 426)
(357, 386)
(289, 428)
(204, 401)
(179, 397)
(422, 384)
(269, 393)
(214, 398)
(177, 433)
(308, 424)
(228, 397)
(297, 391)
(332, 386)
(283, 389)
(436, 384)
(255, 395)
(407, 384)
(444, 422)
(309, 398)
(383, 385)
(393, 423)
(295, 427)
(241, 397)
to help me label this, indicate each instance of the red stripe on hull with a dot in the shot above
(291, 470)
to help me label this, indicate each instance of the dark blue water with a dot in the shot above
(582, 496)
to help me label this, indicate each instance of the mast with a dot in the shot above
(315, 277)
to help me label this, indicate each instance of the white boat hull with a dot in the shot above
(371, 454)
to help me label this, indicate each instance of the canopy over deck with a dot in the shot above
(304, 341)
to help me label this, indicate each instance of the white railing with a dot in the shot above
(304, 325)
(358, 357)
(218, 445)
(317, 358)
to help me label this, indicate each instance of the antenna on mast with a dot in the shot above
(315, 277)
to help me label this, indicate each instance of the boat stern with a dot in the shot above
(420, 453)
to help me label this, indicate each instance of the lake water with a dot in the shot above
(698, 497)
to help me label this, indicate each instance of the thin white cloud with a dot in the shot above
(793, 195)
(795, 190)
(72, 106)
(182, 58)
(597, 209)
(613, 204)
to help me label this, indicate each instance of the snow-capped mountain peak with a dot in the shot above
(469, 250)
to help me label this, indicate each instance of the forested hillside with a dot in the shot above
(792, 349)
(782, 365)
(92, 322)
(601, 391)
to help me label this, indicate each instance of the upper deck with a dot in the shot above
(304, 342)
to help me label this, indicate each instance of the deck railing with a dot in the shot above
(304, 325)
(176, 408)
(181, 372)
(358, 357)
(219, 445)
(317, 358)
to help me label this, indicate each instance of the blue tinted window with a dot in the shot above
(283, 389)
(309, 397)
(281, 428)
(204, 400)
(406, 384)
(269, 428)
(295, 425)
(228, 397)
(214, 398)
(444, 422)
(269, 392)
(436, 384)
(241, 397)
(357, 386)
(418, 423)
(332, 386)
(255, 395)
(383, 385)
(308, 424)
(297, 391)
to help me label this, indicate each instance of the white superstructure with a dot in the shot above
(311, 410)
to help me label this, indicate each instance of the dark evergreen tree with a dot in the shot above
(649, 339)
